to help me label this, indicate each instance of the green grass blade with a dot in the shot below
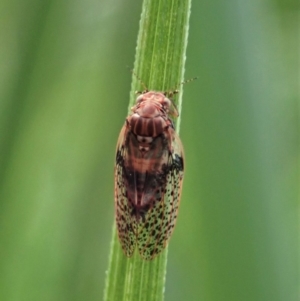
(159, 63)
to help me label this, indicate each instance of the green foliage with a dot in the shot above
(64, 90)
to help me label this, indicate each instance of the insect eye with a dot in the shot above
(170, 107)
(139, 99)
(166, 104)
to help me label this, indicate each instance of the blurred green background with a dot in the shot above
(64, 92)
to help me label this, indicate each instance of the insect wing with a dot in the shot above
(126, 224)
(157, 226)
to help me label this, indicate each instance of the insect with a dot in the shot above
(148, 175)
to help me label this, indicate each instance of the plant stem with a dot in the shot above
(159, 63)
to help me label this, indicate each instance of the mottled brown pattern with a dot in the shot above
(149, 174)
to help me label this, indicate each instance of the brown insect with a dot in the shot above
(148, 175)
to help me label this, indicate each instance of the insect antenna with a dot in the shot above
(175, 90)
(142, 83)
